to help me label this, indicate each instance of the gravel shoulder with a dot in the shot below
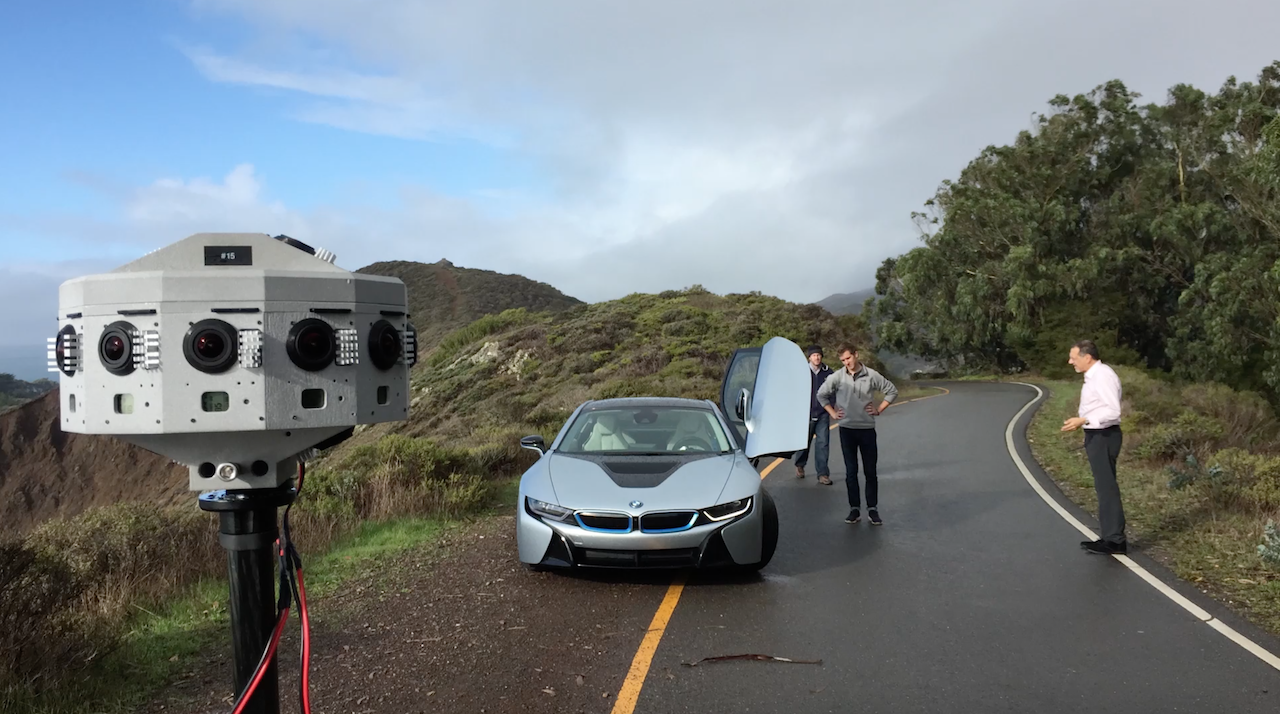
(454, 625)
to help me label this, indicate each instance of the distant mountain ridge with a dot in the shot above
(444, 297)
(14, 391)
(846, 303)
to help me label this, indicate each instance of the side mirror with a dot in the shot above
(740, 405)
(534, 442)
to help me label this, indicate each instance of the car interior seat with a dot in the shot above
(689, 426)
(606, 436)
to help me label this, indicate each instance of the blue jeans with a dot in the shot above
(820, 435)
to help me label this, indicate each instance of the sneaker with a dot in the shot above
(1103, 547)
(874, 515)
(853, 517)
(799, 472)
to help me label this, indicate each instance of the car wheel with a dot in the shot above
(769, 533)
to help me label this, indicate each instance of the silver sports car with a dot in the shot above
(662, 482)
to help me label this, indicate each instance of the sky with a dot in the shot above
(604, 147)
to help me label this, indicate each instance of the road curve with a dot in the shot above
(974, 596)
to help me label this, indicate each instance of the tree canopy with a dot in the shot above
(1152, 229)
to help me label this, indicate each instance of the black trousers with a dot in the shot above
(1103, 448)
(853, 441)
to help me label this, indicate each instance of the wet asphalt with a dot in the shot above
(973, 597)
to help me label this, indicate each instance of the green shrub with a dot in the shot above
(1188, 433)
(1247, 420)
(481, 328)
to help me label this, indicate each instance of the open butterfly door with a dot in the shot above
(765, 396)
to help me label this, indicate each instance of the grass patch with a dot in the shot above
(1207, 529)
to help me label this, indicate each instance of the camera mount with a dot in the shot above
(237, 355)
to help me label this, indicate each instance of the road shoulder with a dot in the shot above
(1151, 563)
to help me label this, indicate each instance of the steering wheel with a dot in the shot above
(693, 443)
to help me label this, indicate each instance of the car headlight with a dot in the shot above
(549, 511)
(725, 511)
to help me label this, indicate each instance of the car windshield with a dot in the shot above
(646, 430)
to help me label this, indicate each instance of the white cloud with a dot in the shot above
(739, 144)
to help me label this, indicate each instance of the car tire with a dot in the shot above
(769, 531)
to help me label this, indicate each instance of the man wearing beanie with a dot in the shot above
(819, 421)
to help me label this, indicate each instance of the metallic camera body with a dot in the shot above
(217, 371)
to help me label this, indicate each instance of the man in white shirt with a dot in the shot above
(1099, 415)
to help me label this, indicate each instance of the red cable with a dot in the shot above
(306, 645)
(266, 660)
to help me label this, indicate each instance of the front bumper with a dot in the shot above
(565, 545)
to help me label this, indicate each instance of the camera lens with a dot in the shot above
(311, 344)
(115, 348)
(384, 345)
(211, 346)
(61, 351)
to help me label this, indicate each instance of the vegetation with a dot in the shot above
(14, 391)
(114, 590)
(443, 297)
(1153, 229)
(522, 372)
(1199, 475)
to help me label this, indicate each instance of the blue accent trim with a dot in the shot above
(630, 524)
(692, 519)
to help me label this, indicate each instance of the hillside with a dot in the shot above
(846, 303)
(522, 372)
(46, 472)
(443, 297)
(14, 391)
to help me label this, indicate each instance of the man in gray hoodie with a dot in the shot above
(846, 396)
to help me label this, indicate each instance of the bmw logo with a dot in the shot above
(636, 504)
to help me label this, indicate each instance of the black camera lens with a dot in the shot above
(211, 346)
(115, 348)
(384, 345)
(312, 344)
(61, 351)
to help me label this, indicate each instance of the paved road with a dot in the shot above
(973, 597)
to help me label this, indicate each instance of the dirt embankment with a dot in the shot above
(46, 472)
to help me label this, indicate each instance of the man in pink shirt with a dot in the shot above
(1099, 414)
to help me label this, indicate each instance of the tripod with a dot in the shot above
(248, 531)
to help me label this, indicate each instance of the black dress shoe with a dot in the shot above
(1104, 547)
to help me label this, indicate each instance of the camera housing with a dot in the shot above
(233, 354)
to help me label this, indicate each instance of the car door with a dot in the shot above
(765, 397)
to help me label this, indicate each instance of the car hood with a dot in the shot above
(659, 482)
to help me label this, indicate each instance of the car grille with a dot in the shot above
(674, 558)
(668, 521)
(612, 522)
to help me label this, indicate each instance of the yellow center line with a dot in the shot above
(630, 692)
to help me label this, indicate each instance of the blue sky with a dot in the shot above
(103, 98)
(606, 147)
